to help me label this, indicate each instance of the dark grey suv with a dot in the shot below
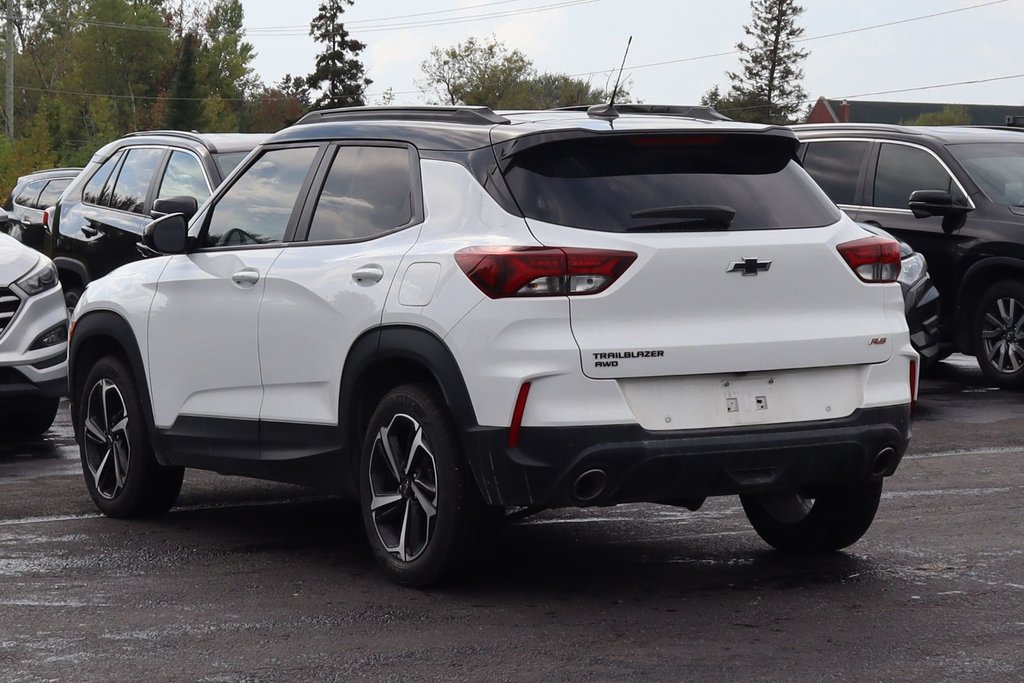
(954, 194)
(99, 220)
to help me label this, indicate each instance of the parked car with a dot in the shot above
(920, 301)
(32, 195)
(955, 195)
(444, 312)
(98, 222)
(33, 340)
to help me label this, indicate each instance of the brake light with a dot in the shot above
(46, 216)
(501, 272)
(873, 259)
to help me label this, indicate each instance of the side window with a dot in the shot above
(902, 169)
(29, 193)
(184, 177)
(257, 207)
(52, 192)
(133, 180)
(97, 190)
(835, 166)
(367, 193)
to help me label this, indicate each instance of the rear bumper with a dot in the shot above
(646, 466)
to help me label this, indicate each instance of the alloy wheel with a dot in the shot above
(107, 446)
(403, 484)
(1003, 336)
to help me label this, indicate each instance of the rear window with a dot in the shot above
(603, 184)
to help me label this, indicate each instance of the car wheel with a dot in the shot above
(999, 334)
(71, 297)
(121, 472)
(32, 419)
(424, 517)
(834, 518)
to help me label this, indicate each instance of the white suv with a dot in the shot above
(447, 312)
(33, 340)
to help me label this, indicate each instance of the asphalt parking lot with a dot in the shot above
(252, 581)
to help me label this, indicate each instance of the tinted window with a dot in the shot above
(96, 190)
(184, 177)
(133, 179)
(368, 192)
(228, 160)
(257, 207)
(29, 193)
(903, 169)
(52, 192)
(835, 167)
(598, 184)
(998, 169)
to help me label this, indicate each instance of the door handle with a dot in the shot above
(246, 278)
(368, 275)
(90, 231)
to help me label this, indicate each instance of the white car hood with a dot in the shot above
(15, 259)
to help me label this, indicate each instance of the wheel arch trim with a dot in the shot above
(113, 328)
(965, 302)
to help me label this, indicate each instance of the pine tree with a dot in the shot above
(769, 85)
(338, 74)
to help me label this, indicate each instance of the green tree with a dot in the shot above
(951, 115)
(338, 73)
(478, 72)
(224, 65)
(767, 88)
(549, 91)
(185, 106)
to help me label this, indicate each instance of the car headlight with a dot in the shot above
(40, 279)
(913, 269)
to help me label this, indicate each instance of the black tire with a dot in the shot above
(71, 297)
(836, 518)
(436, 548)
(998, 334)
(122, 475)
(31, 419)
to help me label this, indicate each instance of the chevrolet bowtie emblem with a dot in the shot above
(748, 266)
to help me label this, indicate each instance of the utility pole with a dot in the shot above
(9, 91)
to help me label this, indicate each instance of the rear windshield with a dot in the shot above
(602, 184)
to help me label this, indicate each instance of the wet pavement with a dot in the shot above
(250, 581)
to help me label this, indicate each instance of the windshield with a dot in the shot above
(998, 169)
(668, 183)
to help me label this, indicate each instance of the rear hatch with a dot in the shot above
(737, 268)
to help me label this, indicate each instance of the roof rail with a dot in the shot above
(470, 115)
(59, 168)
(693, 111)
(191, 135)
(889, 127)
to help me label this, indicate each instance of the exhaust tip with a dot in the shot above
(589, 485)
(884, 462)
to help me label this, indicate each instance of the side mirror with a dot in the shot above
(167, 235)
(925, 203)
(187, 206)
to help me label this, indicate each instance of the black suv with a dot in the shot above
(32, 195)
(956, 195)
(99, 220)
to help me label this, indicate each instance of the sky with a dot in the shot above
(669, 62)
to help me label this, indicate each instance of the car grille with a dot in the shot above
(9, 303)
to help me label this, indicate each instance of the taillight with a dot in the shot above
(873, 259)
(46, 217)
(501, 272)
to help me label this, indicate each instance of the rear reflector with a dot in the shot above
(517, 415)
(913, 385)
(873, 259)
(501, 272)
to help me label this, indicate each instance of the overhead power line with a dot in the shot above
(851, 31)
(392, 18)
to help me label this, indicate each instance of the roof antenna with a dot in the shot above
(607, 111)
